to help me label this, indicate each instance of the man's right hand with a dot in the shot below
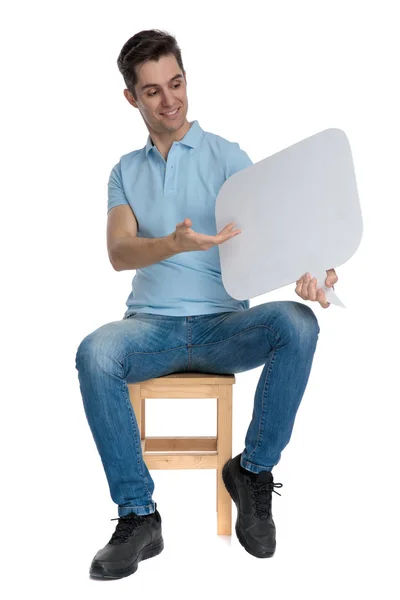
(185, 239)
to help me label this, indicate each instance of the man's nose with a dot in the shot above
(168, 98)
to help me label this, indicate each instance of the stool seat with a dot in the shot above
(204, 452)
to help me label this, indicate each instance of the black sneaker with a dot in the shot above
(252, 494)
(135, 538)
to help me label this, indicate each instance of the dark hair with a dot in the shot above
(149, 44)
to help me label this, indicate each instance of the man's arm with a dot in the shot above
(135, 253)
(128, 251)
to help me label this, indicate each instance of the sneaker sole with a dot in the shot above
(230, 486)
(99, 571)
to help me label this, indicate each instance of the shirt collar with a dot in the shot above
(191, 137)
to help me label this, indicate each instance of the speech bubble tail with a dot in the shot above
(330, 294)
(331, 297)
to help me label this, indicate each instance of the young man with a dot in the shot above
(161, 223)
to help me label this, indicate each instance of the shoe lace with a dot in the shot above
(262, 494)
(125, 527)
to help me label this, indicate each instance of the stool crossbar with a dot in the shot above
(206, 452)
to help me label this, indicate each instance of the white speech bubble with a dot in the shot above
(298, 211)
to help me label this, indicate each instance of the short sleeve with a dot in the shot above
(116, 194)
(237, 159)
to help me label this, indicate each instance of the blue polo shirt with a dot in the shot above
(161, 194)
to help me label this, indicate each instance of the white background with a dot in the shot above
(264, 74)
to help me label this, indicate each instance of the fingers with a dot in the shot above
(226, 233)
(204, 241)
(299, 285)
(321, 299)
(229, 232)
(229, 227)
(306, 288)
(312, 289)
(223, 236)
(331, 279)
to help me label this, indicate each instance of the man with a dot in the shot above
(161, 223)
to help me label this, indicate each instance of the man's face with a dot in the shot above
(166, 93)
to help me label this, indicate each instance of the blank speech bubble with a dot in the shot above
(298, 211)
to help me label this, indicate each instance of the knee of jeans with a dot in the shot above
(302, 323)
(93, 352)
(84, 352)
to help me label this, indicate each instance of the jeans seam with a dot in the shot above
(261, 421)
(239, 333)
(189, 344)
(208, 344)
(138, 447)
(155, 352)
(249, 467)
(137, 506)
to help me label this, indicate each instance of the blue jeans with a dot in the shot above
(281, 335)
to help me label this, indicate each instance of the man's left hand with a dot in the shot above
(306, 287)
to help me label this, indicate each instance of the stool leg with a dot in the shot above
(143, 420)
(224, 453)
(137, 405)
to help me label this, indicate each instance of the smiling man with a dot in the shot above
(179, 317)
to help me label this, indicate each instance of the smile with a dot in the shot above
(171, 114)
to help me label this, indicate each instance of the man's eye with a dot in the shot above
(177, 85)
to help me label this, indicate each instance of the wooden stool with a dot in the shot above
(190, 452)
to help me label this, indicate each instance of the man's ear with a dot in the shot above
(129, 96)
